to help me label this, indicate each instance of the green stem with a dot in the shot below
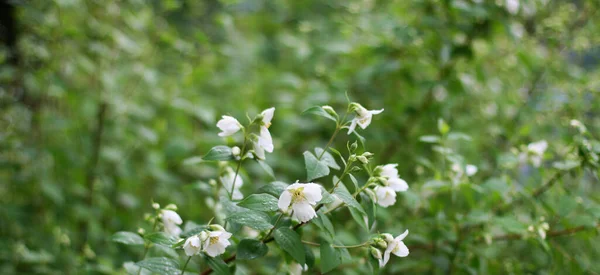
(273, 228)
(237, 170)
(338, 246)
(185, 265)
(146, 245)
(337, 130)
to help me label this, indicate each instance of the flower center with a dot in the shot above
(298, 195)
(213, 240)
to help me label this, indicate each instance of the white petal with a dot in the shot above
(172, 229)
(401, 236)
(170, 216)
(284, 200)
(389, 170)
(401, 250)
(215, 249)
(376, 112)
(312, 192)
(268, 115)
(259, 151)
(228, 125)
(265, 140)
(365, 121)
(385, 196)
(398, 184)
(303, 211)
(352, 126)
(471, 169)
(237, 194)
(386, 255)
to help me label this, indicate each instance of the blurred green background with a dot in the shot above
(101, 103)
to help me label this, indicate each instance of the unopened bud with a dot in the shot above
(147, 216)
(216, 227)
(236, 151)
(387, 237)
(171, 206)
(203, 236)
(530, 228)
(353, 146)
(141, 231)
(376, 253)
(328, 109)
(363, 159)
(367, 154)
(156, 206)
(352, 158)
(212, 182)
(355, 169)
(381, 243)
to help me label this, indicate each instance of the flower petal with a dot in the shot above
(401, 250)
(398, 184)
(268, 115)
(402, 236)
(284, 200)
(312, 192)
(303, 211)
(352, 126)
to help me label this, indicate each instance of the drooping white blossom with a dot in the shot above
(395, 246)
(471, 170)
(192, 246)
(296, 268)
(231, 180)
(398, 184)
(228, 125)
(363, 117)
(300, 197)
(171, 222)
(216, 242)
(390, 172)
(264, 142)
(386, 196)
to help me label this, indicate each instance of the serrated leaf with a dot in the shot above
(161, 238)
(251, 249)
(260, 202)
(317, 110)
(253, 219)
(161, 265)
(327, 158)
(290, 242)
(218, 265)
(314, 168)
(330, 257)
(274, 188)
(220, 152)
(128, 238)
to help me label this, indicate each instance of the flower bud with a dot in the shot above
(328, 109)
(236, 151)
(203, 236)
(171, 206)
(216, 227)
(371, 194)
(376, 253)
(381, 243)
(353, 146)
(141, 231)
(367, 154)
(147, 216)
(363, 159)
(355, 169)
(212, 182)
(155, 206)
(530, 228)
(387, 237)
(352, 158)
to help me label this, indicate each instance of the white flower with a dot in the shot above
(396, 247)
(228, 125)
(301, 196)
(363, 117)
(389, 170)
(228, 182)
(471, 169)
(386, 196)
(398, 184)
(216, 242)
(171, 220)
(296, 268)
(512, 6)
(536, 151)
(192, 246)
(264, 141)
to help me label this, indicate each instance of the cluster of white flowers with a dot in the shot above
(459, 170)
(213, 242)
(391, 245)
(363, 117)
(391, 183)
(300, 198)
(534, 153)
(262, 142)
(171, 222)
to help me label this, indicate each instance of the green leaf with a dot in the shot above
(327, 158)
(323, 222)
(274, 188)
(260, 202)
(161, 238)
(511, 225)
(290, 242)
(339, 154)
(193, 231)
(459, 136)
(218, 265)
(360, 218)
(310, 257)
(128, 238)
(566, 164)
(251, 218)
(266, 167)
(317, 110)
(342, 193)
(314, 168)
(251, 249)
(429, 139)
(327, 198)
(220, 152)
(160, 265)
(330, 257)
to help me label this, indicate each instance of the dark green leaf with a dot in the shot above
(128, 238)
(274, 188)
(254, 219)
(330, 257)
(290, 242)
(260, 202)
(327, 158)
(266, 167)
(314, 168)
(342, 193)
(218, 265)
(251, 249)
(161, 238)
(160, 265)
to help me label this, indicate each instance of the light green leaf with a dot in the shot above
(160, 265)
(128, 238)
(330, 257)
(314, 168)
(161, 238)
(219, 153)
(327, 158)
(290, 242)
(317, 110)
(251, 249)
(260, 202)
(254, 219)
